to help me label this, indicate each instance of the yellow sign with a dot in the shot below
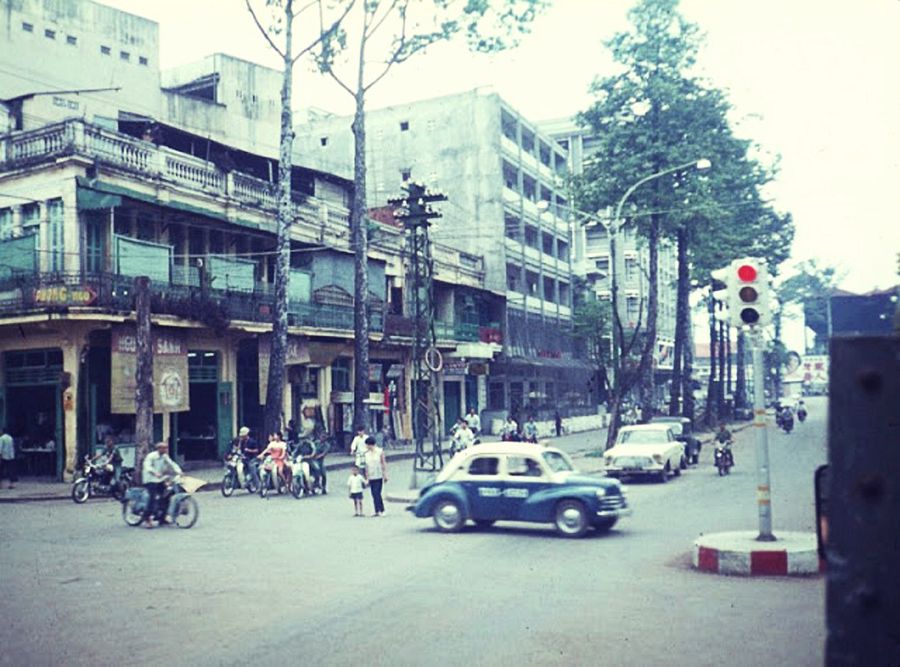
(63, 295)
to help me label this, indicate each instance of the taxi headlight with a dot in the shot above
(657, 458)
(601, 494)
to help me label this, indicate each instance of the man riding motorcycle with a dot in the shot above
(724, 440)
(111, 460)
(249, 450)
(158, 468)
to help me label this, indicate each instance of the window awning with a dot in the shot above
(94, 200)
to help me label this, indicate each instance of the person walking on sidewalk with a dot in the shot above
(557, 421)
(376, 473)
(7, 458)
(358, 448)
(356, 483)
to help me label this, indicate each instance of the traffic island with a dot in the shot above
(739, 553)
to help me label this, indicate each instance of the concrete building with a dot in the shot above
(176, 185)
(495, 167)
(592, 256)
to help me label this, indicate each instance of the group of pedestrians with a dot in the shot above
(369, 470)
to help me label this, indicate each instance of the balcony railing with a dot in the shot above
(76, 137)
(23, 293)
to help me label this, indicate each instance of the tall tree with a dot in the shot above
(642, 122)
(592, 328)
(395, 31)
(811, 287)
(281, 16)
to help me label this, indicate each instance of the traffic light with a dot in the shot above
(748, 287)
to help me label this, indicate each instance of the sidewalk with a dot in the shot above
(36, 490)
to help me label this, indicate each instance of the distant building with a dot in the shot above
(592, 256)
(495, 168)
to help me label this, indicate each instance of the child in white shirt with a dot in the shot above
(356, 483)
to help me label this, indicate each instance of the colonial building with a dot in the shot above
(104, 177)
(495, 167)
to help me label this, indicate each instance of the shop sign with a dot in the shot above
(170, 371)
(63, 295)
(297, 352)
(454, 367)
(480, 368)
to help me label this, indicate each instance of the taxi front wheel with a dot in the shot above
(571, 518)
(448, 516)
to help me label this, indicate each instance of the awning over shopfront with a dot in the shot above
(324, 354)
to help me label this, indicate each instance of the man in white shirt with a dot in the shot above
(7, 458)
(474, 421)
(157, 468)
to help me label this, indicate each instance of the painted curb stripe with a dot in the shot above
(708, 559)
(768, 562)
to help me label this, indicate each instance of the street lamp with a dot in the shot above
(616, 224)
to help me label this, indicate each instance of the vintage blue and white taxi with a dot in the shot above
(520, 482)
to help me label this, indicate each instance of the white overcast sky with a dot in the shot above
(814, 81)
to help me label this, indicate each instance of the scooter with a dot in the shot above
(723, 458)
(236, 477)
(801, 414)
(302, 479)
(176, 502)
(269, 478)
(787, 422)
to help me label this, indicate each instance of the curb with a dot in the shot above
(739, 553)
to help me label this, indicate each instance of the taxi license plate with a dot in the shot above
(628, 464)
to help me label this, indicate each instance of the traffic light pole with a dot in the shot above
(763, 488)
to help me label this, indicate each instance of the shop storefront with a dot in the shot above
(31, 406)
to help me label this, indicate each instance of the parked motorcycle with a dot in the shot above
(177, 502)
(96, 479)
(723, 458)
(269, 479)
(237, 476)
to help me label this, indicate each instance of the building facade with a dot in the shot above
(176, 183)
(592, 257)
(506, 195)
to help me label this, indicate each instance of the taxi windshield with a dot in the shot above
(643, 437)
(557, 462)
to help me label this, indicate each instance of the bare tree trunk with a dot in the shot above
(777, 389)
(740, 391)
(361, 247)
(689, 405)
(720, 393)
(143, 375)
(647, 381)
(277, 350)
(682, 322)
(712, 405)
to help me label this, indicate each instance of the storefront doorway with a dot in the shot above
(33, 407)
(197, 430)
(452, 404)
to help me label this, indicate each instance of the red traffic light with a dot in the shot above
(746, 273)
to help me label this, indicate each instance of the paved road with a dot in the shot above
(287, 580)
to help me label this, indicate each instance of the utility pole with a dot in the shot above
(143, 375)
(416, 215)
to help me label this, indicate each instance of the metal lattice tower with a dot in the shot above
(416, 216)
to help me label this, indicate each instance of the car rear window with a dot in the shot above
(648, 436)
(483, 465)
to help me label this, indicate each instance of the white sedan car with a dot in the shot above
(645, 449)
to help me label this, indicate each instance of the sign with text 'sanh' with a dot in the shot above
(170, 371)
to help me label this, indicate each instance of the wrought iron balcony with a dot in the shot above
(24, 293)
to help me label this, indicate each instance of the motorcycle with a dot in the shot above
(236, 476)
(176, 502)
(801, 414)
(96, 479)
(269, 478)
(723, 458)
(787, 422)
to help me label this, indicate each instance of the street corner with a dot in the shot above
(740, 553)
